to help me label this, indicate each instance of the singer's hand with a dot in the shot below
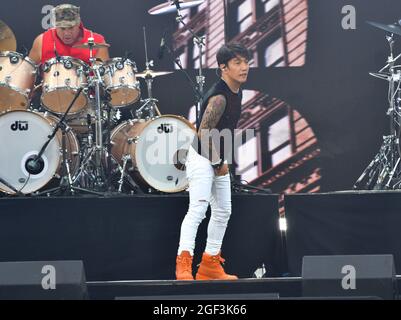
(222, 171)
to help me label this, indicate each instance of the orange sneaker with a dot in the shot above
(211, 269)
(183, 269)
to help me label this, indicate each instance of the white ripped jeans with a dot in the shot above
(205, 188)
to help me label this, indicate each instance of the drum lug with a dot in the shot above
(67, 82)
(46, 67)
(7, 79)
(14, 59)
(133, 140)
(119, 65)
(122, 80)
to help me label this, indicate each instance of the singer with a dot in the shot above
(69, 31)
(207, 168)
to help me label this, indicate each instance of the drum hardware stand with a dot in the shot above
(149, 104)
(101, 177)
(384, 172)
(65, 180)
(121, 181)
(100, 174)
(124, 174)
(108, 142)
(238, 187)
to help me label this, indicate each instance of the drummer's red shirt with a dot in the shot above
(51, 39)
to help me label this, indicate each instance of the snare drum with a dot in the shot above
(62, 78)
(17, 78)
(121, 82)
(156, 149)
(23, 133)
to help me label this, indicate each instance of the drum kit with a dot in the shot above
(384, 171)
(71, 142)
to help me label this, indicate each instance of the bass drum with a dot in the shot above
(23, 134)
(157, 149)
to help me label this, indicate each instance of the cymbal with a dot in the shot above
(94, 46)
(392, 28)
(7, 38)
(152, 74)
(169, 7)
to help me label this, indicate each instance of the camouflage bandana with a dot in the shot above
(67, 16)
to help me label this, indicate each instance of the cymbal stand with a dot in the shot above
(124, 174)
(125, 158)
(384, 171)
(96, 153)
(150, 104)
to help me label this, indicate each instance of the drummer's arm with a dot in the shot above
(103, 54)
(36, 51)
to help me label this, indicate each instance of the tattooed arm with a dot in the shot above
(211, 118)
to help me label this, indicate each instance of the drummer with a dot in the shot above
(69, 32)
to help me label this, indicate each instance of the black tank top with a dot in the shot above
(230, 117)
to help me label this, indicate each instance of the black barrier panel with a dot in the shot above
(43, 280)
(363, 275)
(133, 238)
(354, 223)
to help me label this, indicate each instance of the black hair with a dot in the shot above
(231, 51)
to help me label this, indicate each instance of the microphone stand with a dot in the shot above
(239, 187)
(59, 125)
(200, 79)
(179, 65)
(11, 187)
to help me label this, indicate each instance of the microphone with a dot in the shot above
(127, 56)
(34, 165)
(25, 51)
(57, 55)
(162, 47)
